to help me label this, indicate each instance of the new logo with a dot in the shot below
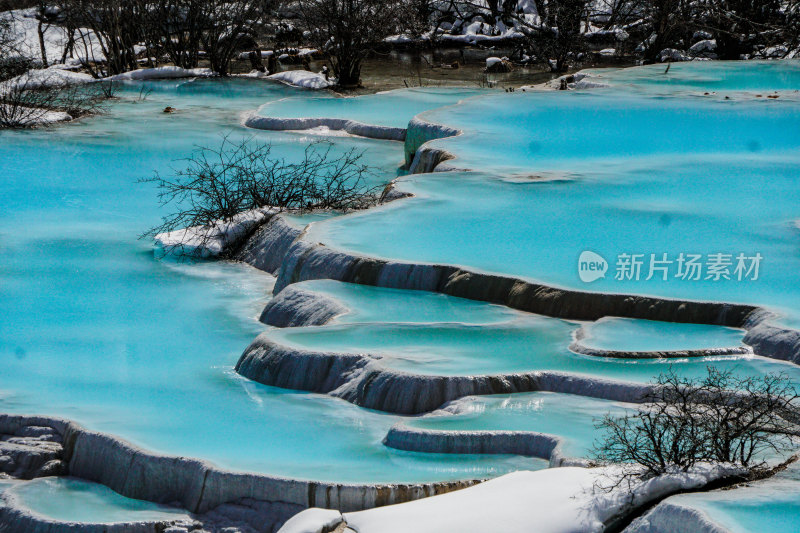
(591, 267)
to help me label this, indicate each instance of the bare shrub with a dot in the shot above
(350, 29)
(26, 101)
(218, 184)
(720, 418)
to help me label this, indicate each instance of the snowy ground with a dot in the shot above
(555, 500)
(295, 78)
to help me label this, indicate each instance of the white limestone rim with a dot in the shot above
(578, 346)
(526, 443)
(197, 485)
(352, 127)
(298, 307)
(349, 375)
(16, 517)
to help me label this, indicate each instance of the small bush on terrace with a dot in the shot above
(720, 418)
(218, 184)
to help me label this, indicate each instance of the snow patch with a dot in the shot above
(302, 78)
(556, 500)
(169, 72)
(45, 78)
(313, 520)
(211, 241)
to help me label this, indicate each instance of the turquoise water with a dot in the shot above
(74, 500)
(721, 76)
(93, 328)
(389, 108)
(629, 335)
(538, 229)
(770, 506)
(366, 303)
(567, 416)
(527, 344)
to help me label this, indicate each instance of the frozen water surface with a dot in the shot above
(524, 345)
(720, 76)
(585, 172)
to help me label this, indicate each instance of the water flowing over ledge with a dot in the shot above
(364, 381)
(200, 486)
(303, 260)
(527, 443)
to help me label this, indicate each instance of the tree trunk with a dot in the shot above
(42, 48)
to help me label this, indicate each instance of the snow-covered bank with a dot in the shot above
(351, 127)
(559, 500)
(296, 78)
(159, 73)
(46, 78)
(668, 517)
(211, 241)
(26, 39)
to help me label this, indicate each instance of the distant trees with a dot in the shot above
(720, 418)
(350, 29)
(181, 30)
(556, 38)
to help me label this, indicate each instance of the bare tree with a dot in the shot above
(218, 184)
(720, 418)
(557, 40)
(228, 27)
(742, 26)
(350, 29)
(27, 102)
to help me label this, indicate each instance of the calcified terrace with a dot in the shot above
(460, 292)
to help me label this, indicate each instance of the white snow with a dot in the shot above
(312, 521)
(555, 500)
(168, 72)
(38, 117)
(703, 49)
(264, 54)
(490, 61)
(47, 77)
(210, 241)
(302, 78)
(607, 52)
(55, 37)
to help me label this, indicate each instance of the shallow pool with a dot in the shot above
(570, 417)
(75, 500)
(94, 328)
(630, 335)
(770, 506)
(389, 108)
